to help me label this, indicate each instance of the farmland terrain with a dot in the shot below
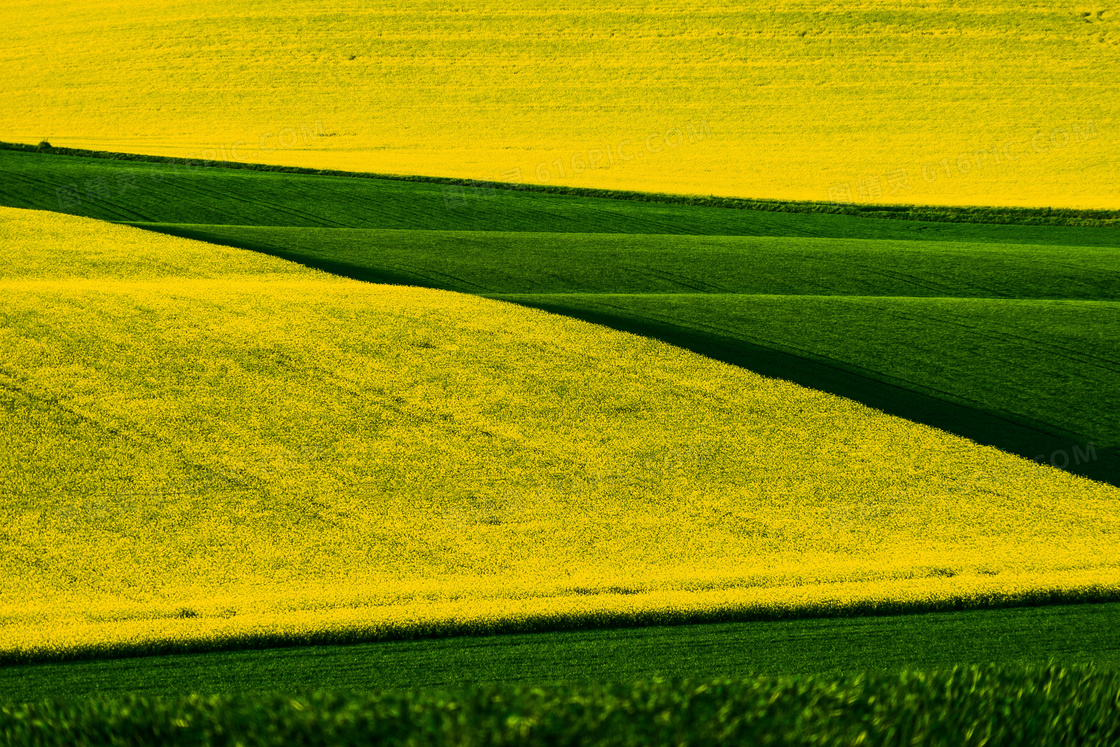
(1002, 333)
(970, 103)
(214, 448)
(559, 372)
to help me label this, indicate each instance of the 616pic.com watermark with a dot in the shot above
(602, 156)
(900, 181)
(102, 189)
(847, 517)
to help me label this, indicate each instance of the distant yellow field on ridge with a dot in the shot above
(990, 103)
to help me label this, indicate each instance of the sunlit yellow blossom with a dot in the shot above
(993, 103)
(199, 443)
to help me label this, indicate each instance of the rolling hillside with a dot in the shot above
(953, 331)
(210, 447)
(1011, 345)
(559, 372)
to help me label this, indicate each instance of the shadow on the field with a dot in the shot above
(296, 254)
(1012, 434)
(1015, 435)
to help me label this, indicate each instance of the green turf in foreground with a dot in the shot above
(1066, 635)
(968, 706)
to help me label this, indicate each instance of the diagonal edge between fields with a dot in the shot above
(1005, 431)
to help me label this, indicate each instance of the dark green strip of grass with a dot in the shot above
(528, 262)
(997, 705)
(164, 191)
(949, 214)
(1065, 634)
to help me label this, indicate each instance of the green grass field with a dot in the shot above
(1007, 705)
(1066, 635)
(183, 191)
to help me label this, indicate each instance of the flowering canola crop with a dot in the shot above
(973, 103)
(203, 445)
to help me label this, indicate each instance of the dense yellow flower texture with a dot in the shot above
(201, 443)
(992, 103)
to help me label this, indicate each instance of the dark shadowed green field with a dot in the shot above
(1063, 634)
(178, 191)
(1006, 705)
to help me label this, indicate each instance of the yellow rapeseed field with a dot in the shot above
(200, 444)
(988, 103)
